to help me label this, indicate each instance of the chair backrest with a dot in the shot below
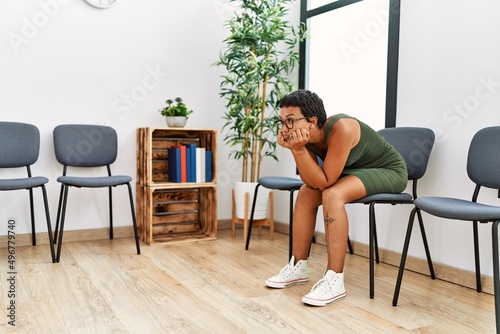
(81, 145)
(19, 144)
(483, 160)
(415, 146)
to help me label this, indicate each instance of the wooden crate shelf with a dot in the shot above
(169, 211)
(152, 151)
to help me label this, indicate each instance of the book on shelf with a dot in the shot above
(183, 168)
(200, 164)
(191, 162)
(208, 166)
(188, 163)
(174, 164)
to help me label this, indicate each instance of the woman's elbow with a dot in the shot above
(321, 185)
(325, 185)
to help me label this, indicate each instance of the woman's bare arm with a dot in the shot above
(344, 136)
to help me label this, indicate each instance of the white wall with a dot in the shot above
(67, 62)
(84, 65)
(64, 61)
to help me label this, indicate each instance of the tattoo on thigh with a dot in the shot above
(329, 220)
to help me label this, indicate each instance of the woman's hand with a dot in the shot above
(295, 139)
(282, 141)
(298, 138)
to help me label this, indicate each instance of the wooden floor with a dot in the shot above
(218, 287)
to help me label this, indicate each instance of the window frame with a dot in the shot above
(392, 52)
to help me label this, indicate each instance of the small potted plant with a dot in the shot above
(176, 113)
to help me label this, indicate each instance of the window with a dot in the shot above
(345, 60)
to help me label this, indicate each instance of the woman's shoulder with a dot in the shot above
(333, 119)
(341, 125)
(338, 116)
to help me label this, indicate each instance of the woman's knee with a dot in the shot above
(345, 190)
(309, 195)
(333, 196)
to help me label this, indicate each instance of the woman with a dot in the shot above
(356, 162)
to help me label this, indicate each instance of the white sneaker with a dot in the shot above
(328, 289)
(289, 275)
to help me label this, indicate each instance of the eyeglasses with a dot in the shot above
(289, 122)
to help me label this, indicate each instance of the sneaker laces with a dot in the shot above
(286, 271)
(289, 269)
(323, 286)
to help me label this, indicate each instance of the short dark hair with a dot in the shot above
(310, 104)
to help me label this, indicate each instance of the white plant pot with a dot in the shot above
(261, 206)
(176, 121)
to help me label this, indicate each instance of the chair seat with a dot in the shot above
(280, 182)
(386, 198)
(94, 182)
(454, 208)
(23, 183)
(277, 183)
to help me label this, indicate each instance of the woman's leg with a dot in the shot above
(345, 190)
(304, 221)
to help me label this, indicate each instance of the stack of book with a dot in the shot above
(188, 163)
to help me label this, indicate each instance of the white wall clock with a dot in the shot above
(101, 3)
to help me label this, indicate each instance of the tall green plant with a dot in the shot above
(259, 56)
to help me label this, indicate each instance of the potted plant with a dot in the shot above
(176, 113)
(259, 56)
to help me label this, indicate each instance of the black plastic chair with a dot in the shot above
(20, 147)
(483, 168)
(415, 146)
(276, 183)
(82, 146)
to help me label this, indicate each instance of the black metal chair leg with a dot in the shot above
(403, 256)
(290, 227)
(375, 240)
(134, 221)
(290, 223)
(32, 210)
(111, 213)
(496, 273)
(49, 225)
(372, 267)
(251, 216)
(426, 245)
(58, 218)
(63, 214)
(349, 245)
(476, 256)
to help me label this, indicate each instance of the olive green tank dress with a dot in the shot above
(373, 160)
